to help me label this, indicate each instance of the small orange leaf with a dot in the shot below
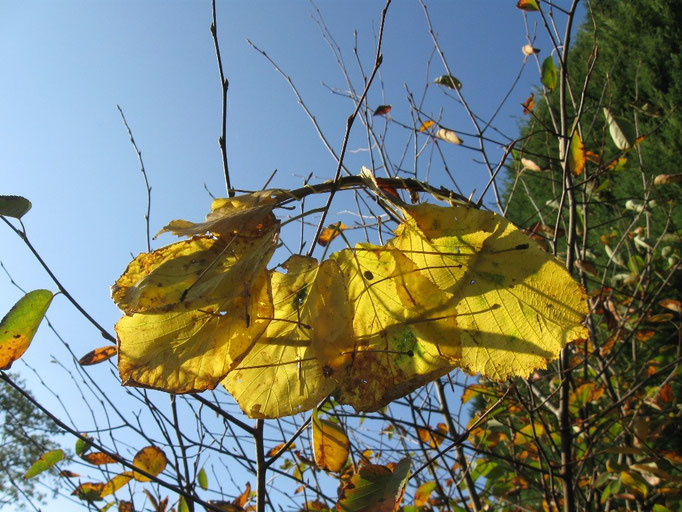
(423, 493)
(241, 500)
(528, 5)
(387, 189)
(592, 157)
(98, 355)
(644, 335)
(528, 104)
(382, 110)
(125, 506)
(98, 458)
(473, 391)
(426, 125)
(666, 394)
(672, 305)
(68, 474)
(330, 233)
(433, 439)
(576, 155)
(276, 449)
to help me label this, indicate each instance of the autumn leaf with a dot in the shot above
(423, 493)
(45, 462)
(98, 355)
(89, 491)
(151, 460)
(330, 444)
(330, 233)
(529, 50)
(667, 179)
(68, 474)
(184, 352)
(549, 75)
(193, 273)
(528, 5)
(528, 104)
(375, 488)
(426, 125)
(530, 165)
(672, 305)
(617, 135)
(448, 81)
(248, 213)
(116, 483)
(382, 110)
(576, 154)
(406, 333)
(14, 206)
(517, 306)
(98, 458)
(448, 136)
(19, 326)
(310, 338)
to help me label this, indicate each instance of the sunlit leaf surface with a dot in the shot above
(375, 488)
(19, 326)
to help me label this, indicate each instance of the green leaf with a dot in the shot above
(14, 206)
(202, 479)
(550, 75)
(20, 325)
(448, 81)
(528, 5)
(182, 505)
(375, 488)
(82, 447)
(45, 462)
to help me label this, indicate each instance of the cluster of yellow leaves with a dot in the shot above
(456, 287)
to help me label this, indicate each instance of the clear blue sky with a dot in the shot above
(64, 66)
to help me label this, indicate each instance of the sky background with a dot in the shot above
(65, 66)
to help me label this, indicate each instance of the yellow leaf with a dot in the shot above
(330, 445)
(19, 326)
(426, 125)
(192, 274)
(405, 329)
(517, 305)
(116, 483)
(151, 460)
(423, 493)
(448, 136)
(330, 233)
(98, 355)
(243, 214)
(98, 458)
(530, 165)
(295, 365)
(89, 491)
(576, 154)
(185, 352)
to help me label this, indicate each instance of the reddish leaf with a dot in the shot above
(528, 5)
(528, 104)
(68, 474)
(382, 110)
(98, 458)
(98, 355)
(387, 189)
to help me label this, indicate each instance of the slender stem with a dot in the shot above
(261, 465)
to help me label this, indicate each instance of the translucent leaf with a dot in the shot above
(293, 367)
(528, 5)
(423, 493)
(202, 479)
(184, 352)
(382, 110)
(45, 462)
(330, 233)
(426, 125)
(576, 155)
(98, 355)
(406, 333)
(98, 458)
(528, 104)
(14, 206)
(549, 75)
(19, 326)
(81, 447)
(89, 491)
(192, 274)
(330, 444)
(116, 483)
(448, 136)
(151, 460)
(530, 165)
(529, 50)
(617, 135)
(182, 505)
(375, 488)
(243, 214)
(517, 306)
(448, 81)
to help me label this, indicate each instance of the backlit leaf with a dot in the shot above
(619, 138)
(98, 355)
(330, 233)
(448, 81)
(295, 364)
(529, 50)
(330, 444)
(89, 491)
(375, 488)
(14, 206)
(191, 351)
(423, 493)
(45, 462)
(19, 326)
(116, 483)
(243, 214)
(406, 333)
(528, 104)
(426, 125)
(667, 179)
(68, 474)
(530, 165)
(549, 75)
(448, 136)
(528, 5)
(672, 305)
(202, 479)
(382, 110)
(151, 460)
(517, 305)
(576, 154)
(125, 506)
(81, 446)
(98, 458)
(182, 505)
